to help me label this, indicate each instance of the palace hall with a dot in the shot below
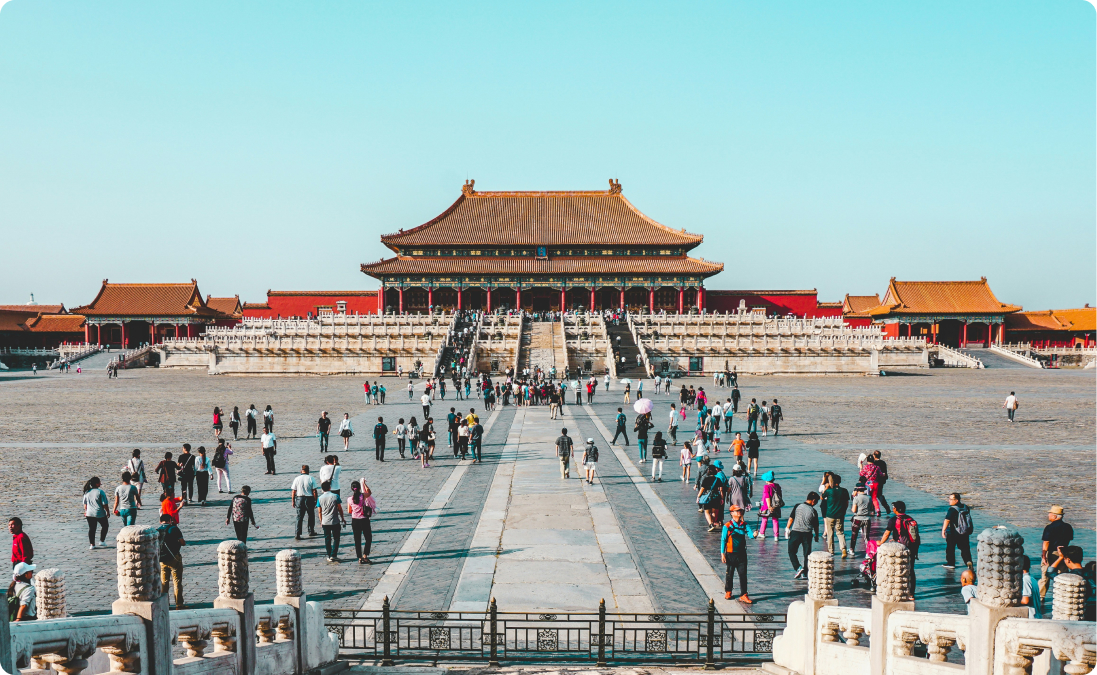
(541, 251)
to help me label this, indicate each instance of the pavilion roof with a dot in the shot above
(14, 320)
(35, 309)
(56, 323)
(229, 306)
(859, 304)
(578, 218)
(1083, 319)
(938, 298)
(503, 266)
(178, 300)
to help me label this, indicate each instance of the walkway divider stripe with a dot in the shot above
(397, 571)
(710, 581)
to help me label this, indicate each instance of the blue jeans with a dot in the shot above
(752, 425)
(129, 516)
(727, 421)
(642, 444)
(474, 448)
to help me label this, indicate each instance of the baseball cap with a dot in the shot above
(590, 440)
(21, 569)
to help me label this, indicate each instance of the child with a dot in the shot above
(685, 460)
(716, 436)
(967, 586)
(169, 506)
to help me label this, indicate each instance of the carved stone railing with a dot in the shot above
(938, 632)
(65, 645)
(1021, 357)
(1017, 642)
(955, 357)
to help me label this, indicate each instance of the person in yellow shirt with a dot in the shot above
(472, 417)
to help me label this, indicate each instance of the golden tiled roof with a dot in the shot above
(56, 323)
(858, 305)
(940, 297)
(14, 320)
(1082, 319)
(541, 218)
(504, 266)
(36, 309)
(229, 306)
(148, 300)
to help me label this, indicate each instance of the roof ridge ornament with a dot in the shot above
(467, 188)
(614, 187)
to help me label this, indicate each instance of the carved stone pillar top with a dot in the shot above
(232, 569)
(49, 585)
(821, 575)
(1070, 598)
(138, 563)
(288, 572)
(893, 572)
(1000, 550)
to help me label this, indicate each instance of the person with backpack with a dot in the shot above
(904, 530)
(733, 552)
(802, 527)
(136, 468)
(165, 471)
(268, 420)
(658, 456)
(220, 464)
(956, 532)
(186, 474)
(251, 414)
(882, 478)
(835, 503)
(22, 596)
(234, 422)
(641, 426)
(775, 416)
(590, 460)
(360, 512)
(621, 421)
(563, 451)
(772, 501)
(380, 432)
(241, 514)
(752, 415)
(171, 558)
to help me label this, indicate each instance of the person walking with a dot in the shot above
(775, 416)
(346, 431)
(685, 460)
(330, 473)
(476, 440)
(241, 514)
(234, 422)
(218, 423)
(871, 473)
(360, 513)
(835, 504)
(127, 499)
(380, 432)
(1010, 405)
(462, 447)
(332, 520)
(165, 472)
(323, 428)
(956, 531)
(401, 433)
(752, 416)
(202, 470)
(735, 397)
(95, 511)
(21, 548)
(658, 456)
(772, 501)
(171, 558)
(22, 593)
(251, 415)
(905, 531)
(740, 489)
(861, 515)
(303, 493)
(803, 527)
(554, 404)
(563, 451)
(754, 447)
(424, 400)
(1057, 535)
(672, 428)
(590, 461)
(186, 474)
(641, 426)
(621, 421)
(764, 415)
(136, 467)
(733, 553)
(268, 420)
(269, 443)
(221, 465)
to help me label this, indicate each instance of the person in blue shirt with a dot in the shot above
(733, 552)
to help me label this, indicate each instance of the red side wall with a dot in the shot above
(285, 306)
(780, 304)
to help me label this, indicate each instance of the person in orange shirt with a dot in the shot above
(169, 506)
(737, 447)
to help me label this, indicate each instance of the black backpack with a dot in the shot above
(219, 459)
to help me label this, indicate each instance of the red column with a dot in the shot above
(152, 333)
(563, 299)
(651, 300)
(401, 300)
(518, 297)
(430, 297)
(98, 334)
(177, 330)
(190, 330)
(87, 333)
(123, 325)
(381, 299)
(700, 298)
(458, 298)
(591, 308)
(1001, 332)
(681, 299)
(622, 297)
(963, 336)
(489, 298)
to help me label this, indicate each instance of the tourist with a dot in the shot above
(234, 422)
(590, 461)
(563, 451)
(476, 440)
(605, 381)
(775, 416)
(753, 447)
(685, 460)
(904, 529)
(554, 404)
(835, 503)
(218, 425)
(956, 531)
(269, 443)
(666, 384)
(735, 397)
(967, 587)
(764, 416)
(323, 428)
(332, 520)
(451, 420)
(462, 447)
(802, 528)
(753, 411)
(346, 431)
(737, 447)
(772, 501)
(169, 506)
(268, 420)
(241, 514)
(171, 559)
(729, 415)
(330, 472)
(733, 552)
(1028, 589)
(672, 428)
(380, 431)
(717, 414)
(628, 392)
(1057, 535)
(425, 401)
(251, 414)
(621, 421)
(202, 471)
(23, 593)
(861, 510)
(709, 494)
(303, 494)
(136, 467)
(881, 477)
(411, 389)
(380, 392)
(401, 433)
(95, 511)
(221, 465)
(426, 441)
(740, 489)
(127, 499)
(870, 473)
(1011, 406)
(1069, 561)
(641, 426)
(165, 471)
(360, 527)
(186, 474)
(658, 456)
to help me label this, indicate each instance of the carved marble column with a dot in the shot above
(821, 575)
(997, 596)
(290, 592)
(49, 585)
(1070, 598)
(140, 593)
(893, 566)
(232, 585)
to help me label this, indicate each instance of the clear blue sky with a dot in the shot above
(258, 145)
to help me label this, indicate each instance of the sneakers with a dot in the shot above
(712, 528)
(727, 595)
(745, 599)
(92, 547)
(799, 574)
(949, 567)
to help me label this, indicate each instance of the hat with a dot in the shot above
(1057, 510)
(718, 464)
(590, 440)
(21, 569)
(768, 476)
(733, 508)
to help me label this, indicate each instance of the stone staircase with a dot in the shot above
(628, 349)
(537, 349)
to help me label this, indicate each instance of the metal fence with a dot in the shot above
(597, 637)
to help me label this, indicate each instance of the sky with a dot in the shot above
(268, 145)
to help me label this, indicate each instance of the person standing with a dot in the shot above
(733, 552)
(861, 510)
(360, 527)
(802, 526)
(269, 442)
(241, 514)
(451, 420)
(775, 416)
(764, 414)
(251, 414)
(956, 531)
(218, 423)
(476, 440)
(643, 423)
(1057, 535)
(621, 421)
(221, 465)
(186, 474)
(202, 470)
(835, 504)
(554, 404)
(268, 420)
(905, 531)
(411, 389)
(563, 451)
(380, 431)
(772, 501)
(323, 428)
(462, 447)
(171, 558)
(303, 493)
(95, 511)
(346, 431)
(234, 422)
(24, 592)
(136, 467)
(332, 520)
(126, 500)
(1010, 405)
(366, 390)
(165, 472)
(330, 473)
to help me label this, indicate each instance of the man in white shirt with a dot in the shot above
(717, 415)
(270, 448)
(1011, 405)
(303, 497)
(425, 400)
(673, 428)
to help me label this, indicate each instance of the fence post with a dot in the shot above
(387, 659)
(601, 634)
(710, 663)
(493, 659)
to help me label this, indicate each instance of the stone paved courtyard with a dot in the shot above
(457, 534)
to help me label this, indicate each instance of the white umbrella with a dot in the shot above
(643, 406)
(626, 381)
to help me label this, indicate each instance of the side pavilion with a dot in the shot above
(953, 313)
(127, 315)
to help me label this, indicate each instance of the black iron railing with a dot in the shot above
(708, 638)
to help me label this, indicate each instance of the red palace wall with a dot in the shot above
(283, 304)
(780, 303)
